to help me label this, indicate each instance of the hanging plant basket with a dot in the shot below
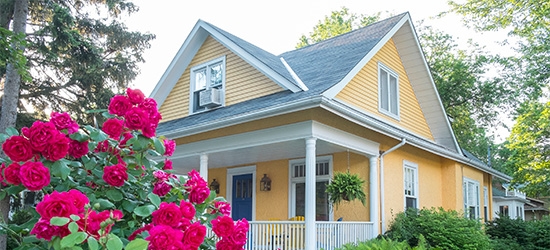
(346, 187)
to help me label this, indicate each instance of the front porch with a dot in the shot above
(290, 235)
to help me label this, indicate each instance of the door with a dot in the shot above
(241, 197)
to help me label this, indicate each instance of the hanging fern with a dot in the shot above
(346, 187)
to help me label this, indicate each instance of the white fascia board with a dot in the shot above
(345, 139)
(294, 75)
(179, 63)
(334, 90)
(252, 60)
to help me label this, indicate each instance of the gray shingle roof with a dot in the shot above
(320, 66)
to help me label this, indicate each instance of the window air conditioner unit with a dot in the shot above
(210, 98)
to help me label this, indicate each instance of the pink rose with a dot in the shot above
(223, 207)
(57, 148)
(226, 244)
(125, 137)
(44, 230)
(78, 149)
(136, 118)
(56, 204)
(168, 214)
(113, 128)
(194, 235)
(162, 237)
(170, 146)
(149, 105)
(64, 121)
(239, 234)
(187, 209)
(167, 164)
(79, 199)
(92, 221)
(135, 95)
(18, 148)
(223, 226)
(41, 134)
(119, 105)
(34, 175)
(161, 188)
(149, 130)
(11, 173)
(115, 175)
(117, 214)
(199, 194)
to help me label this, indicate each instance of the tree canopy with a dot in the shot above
(78, 53)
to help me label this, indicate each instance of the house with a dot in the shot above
(362, 102)
(535, 209)
(508, 201)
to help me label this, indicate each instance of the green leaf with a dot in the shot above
(59, 221)
(73, 239)
(30, 239)
(15, 189)
(104, 204)
(128, 205)
(114, 243)
(74, 217)
(92, 243)
(11, 131)
(159, 146)
(3, 137)
(60, 169)
(155, 199)
(115, 195)
(144, 211)
(137, 244)
(2, 194)
(73, 227)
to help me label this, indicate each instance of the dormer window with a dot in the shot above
(388, 91)
(207, 85)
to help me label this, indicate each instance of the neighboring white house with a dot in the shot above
(508, 201)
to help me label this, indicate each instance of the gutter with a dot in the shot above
(382, 154)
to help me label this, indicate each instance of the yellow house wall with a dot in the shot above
(358, 164)
(242, 81)
(220, 174)
(362, 92)
(272, 205)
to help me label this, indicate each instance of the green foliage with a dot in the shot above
(441, 229)
(338, 23)
(519, 234)
(346, 186)
(383, 243)
(10, 52)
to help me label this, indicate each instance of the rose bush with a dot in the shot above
(111, 187)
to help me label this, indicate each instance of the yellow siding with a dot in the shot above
(362, 92)
(243, 82)
(358, 164)
(272, 205)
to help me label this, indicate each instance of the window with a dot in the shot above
(323, 168)
(504, 211)
(207, 85)
(410, 177)
(471, 198)
(486, 204)
(388, 91)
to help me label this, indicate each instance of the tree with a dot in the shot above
(338, 23)
(79, 54)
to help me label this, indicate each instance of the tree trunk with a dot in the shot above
(10, 99)
(6, 13)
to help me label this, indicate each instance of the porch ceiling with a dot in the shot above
(283, 142)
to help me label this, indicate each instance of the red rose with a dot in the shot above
(135, 95)
(167, 164)
(44, 230)
(79, 199)
(136, 118)
(57, 148)
(168, 214)
(92, 221)
(64, 121)
(18, 148)
(34, 175)
(239, 234)
(149, 130)
(223, 207)
(223, 226)
(11, 173)
(161, 188)
(187, 210)
(117, 214)
(199, 194)
(56, 204)
(115, 175)
(163, 237)
(78, 149)
(149, 105)
(113, 128)
(170, 146)
(41, 134)
(194, 235)
(119, 105)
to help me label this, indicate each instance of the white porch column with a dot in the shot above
(203, 170)
(310, 237)
(373, 194)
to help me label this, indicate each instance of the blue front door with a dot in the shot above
(241, 197)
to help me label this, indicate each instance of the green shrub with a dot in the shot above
(506, 233)
(442, 229)
(383, 243)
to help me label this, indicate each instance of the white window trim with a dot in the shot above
(292, 182)
(486, 203)
(192, 83)
(380, 109)
(478, 208)
(229, 186)
(414, 167)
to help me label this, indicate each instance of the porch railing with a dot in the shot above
(290, 235)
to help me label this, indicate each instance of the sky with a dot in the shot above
(274, 26)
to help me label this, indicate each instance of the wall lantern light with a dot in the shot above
(215, 186)
(265, 183)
